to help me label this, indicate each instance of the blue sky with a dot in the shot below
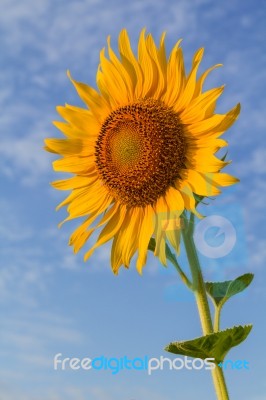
(51, 301)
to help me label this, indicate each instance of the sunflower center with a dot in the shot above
(125, 146)
(140, 151)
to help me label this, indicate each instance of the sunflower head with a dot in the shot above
(141, 151)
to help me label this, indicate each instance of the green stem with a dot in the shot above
(198, 285)
(217, 315)
(171, 257)
(202, 301)
(182, 274)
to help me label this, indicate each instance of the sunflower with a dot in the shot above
(142, 149)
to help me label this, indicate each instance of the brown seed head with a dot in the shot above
(140, 151)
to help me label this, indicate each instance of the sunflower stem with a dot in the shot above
(198, 287)
(182, 275)
(217, 315)
(171, 257)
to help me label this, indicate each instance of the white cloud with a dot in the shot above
(257, 254)
(30, 339)
(253, 164)
(24, 270)
(32, 332)
(22, 156)
(26, 158)
(71, 392)
(31, 255)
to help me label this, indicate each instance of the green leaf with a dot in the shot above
(152, 244)
(199, 199)
(215, 345)
(220, 292)
(224, 157)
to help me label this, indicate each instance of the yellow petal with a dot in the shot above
(94, 101)
(110, 229)
(215, 125)
(75, 164)
(213, 144)
(70, 146)
(89, 201)
(131, 235)
(130, 63)
(203, 160)
(200, 183)
(160, 246)
(110, 82)
(162, 54)
(82, 120)
(146, 231)
(197, 109)
(201, 80)
(175, 201)
(158, 86)
(175, 76)
(80, 236)
(75, 193)
(75, 182)
(221, 179)
(125, 75)
(148, 67)
(162, 220)
(190, 85)
(63, 146)
(73, 132)
(173, 236)
(188, 197)
(118, 253)
(116, 257)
